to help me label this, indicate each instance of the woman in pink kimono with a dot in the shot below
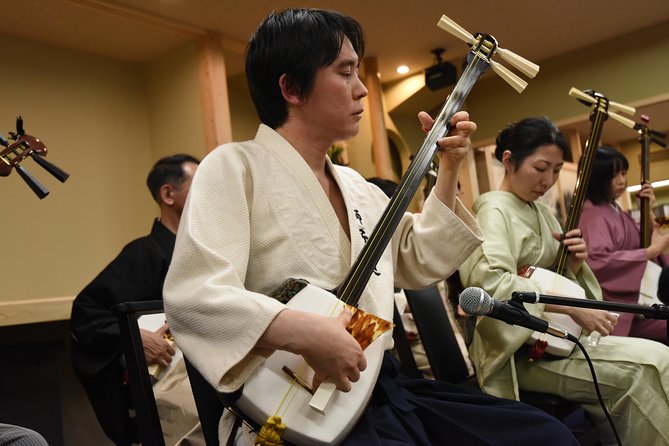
(615, 253)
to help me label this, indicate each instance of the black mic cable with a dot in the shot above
(476, 302)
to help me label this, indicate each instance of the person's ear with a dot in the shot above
(288, 91)
(167, 194)
(506, 160)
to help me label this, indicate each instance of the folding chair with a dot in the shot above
(448, 363)
(408, 365)
(148, 420)
(210, 404)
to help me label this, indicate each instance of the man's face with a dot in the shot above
(334, 106)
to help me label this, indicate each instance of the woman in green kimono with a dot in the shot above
(633, 373)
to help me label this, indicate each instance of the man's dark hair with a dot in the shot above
(295, 42)
(522, 138)
(168, 170)
(607, 164)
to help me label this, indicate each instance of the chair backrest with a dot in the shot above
(408, 364)
(146, 411)
(438, 338)
(210, 404)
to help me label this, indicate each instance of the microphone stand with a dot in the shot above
(655, 311)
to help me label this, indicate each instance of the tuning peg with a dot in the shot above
(456, 30)
(659, 142)
(3, 141)
(657, 133)
(578, 94)
(591, 99)
(523, 65)
(621, 119)
(19, 126)
(516, 82)
(622, 108)
(585, 97)
(32, 182)
(54, 170)
(520, 63)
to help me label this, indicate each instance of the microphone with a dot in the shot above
(476, 302)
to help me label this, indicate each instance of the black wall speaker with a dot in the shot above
(440, 75)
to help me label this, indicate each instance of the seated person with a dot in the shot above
(266, 210)
(136, 274)
(633, 373)
(615, 253)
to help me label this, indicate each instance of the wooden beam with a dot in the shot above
(575, 142)
(214, 91)
(659, 155)
(380, 145)
(31, 311)
(137, 15)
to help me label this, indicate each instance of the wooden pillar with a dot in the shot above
(575, 142)
(214, 91)
(380, 146)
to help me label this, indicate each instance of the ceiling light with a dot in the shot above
(402, 69)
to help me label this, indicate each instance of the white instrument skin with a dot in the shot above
(648, 289)
(264, 391)
(558, 285)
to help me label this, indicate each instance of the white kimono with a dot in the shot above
(256, 216)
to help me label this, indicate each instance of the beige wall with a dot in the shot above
(243, 117)
(106, 122)
(91, 113)
(173, 103)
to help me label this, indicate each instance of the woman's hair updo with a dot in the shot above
(523, 137)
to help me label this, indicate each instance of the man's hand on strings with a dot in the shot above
(338, 357)
(322, 341)
(453, 147)
(452, 151)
